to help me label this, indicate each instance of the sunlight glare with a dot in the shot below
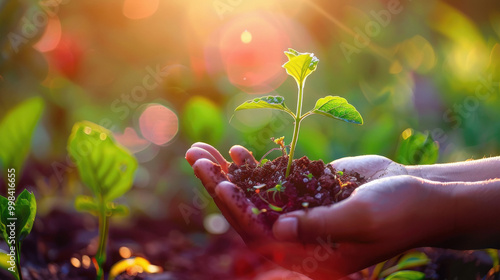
(246, 37)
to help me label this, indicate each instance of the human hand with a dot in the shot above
(371, 167)
(380, 220)
(318, 260)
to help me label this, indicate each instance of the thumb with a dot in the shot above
(344, 221)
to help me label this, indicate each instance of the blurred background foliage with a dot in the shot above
(162, 75)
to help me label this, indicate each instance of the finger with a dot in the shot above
(209, 173)
(196, 153)
(240, 209)
(241, 156)
(344, 221)
(369, 166)
(214, 152)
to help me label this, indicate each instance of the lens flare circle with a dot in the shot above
(158, 124)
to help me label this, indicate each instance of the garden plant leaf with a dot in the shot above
(300, 65)
(338, 108)
(84, 203)
(104, 166)
(16, 130)
(25, 212)
(270, 102)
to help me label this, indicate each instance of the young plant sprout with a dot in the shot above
(300, 66)
(108, 170)
(16, 221)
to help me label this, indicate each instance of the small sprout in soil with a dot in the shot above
(310, 176)
(340, 173)
(16, 221)
(300, 66)
(262, 162)
(270, 205)
(107, 169)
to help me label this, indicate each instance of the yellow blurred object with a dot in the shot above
(246, 37)
(133, 266)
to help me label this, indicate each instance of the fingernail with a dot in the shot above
(286, 229)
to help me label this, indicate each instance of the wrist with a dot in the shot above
(476, 211)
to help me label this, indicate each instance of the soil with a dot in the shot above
(310, 184)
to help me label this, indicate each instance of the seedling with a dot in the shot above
(300, 66)
(16, 222)
(107, 169)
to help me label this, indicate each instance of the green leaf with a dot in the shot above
(104, 166)
(115, 209)
(413, 259)
(23, 215)
(88, 204)
(338, 108)
(16, 131)
(275, 208)
(5, 263)
(300, 65)
(266, 102)
(406, 275)
(417, 148)
(408, 260)
(203, 120)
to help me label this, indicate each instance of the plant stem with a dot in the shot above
(103, 235)
(296, 128)
(18, 260)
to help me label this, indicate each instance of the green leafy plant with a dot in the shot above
(300, 66)
(16, 130)
(107, 169)
(16, 221)
(417, 148)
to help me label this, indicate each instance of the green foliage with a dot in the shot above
(203, 121)
(108, 170)
(16, 131)
(269, 102)
(25, 212)
(337, 108)
(21, 214)
(406, 275)
(417, 148)
(300, 66)
(408, 260)
(104, 166)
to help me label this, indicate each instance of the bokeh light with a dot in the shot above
(215, 223)
(158, 124)
(51, 37)
(139, 9)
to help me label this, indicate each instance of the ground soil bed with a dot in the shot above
(310, 184)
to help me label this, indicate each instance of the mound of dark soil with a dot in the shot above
(310, 184)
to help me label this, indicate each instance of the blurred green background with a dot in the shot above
(165, 74)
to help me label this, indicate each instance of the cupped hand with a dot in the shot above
(318, 260)
(371, 167)
(380, 220)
